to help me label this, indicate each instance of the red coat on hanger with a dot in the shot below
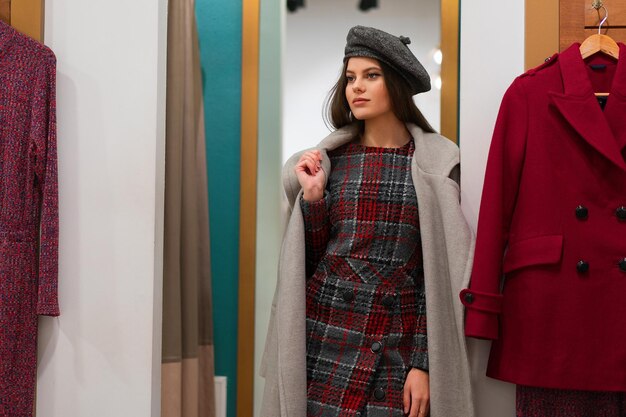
(549, 277)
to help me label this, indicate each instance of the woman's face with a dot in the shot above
(366, 91)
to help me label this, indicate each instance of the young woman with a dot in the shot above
(365, 319)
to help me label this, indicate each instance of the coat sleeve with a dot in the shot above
(43, 147)
(483, 299)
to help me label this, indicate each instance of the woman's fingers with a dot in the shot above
(406, 399)
(311, 161)
(419, 406)
(312, 179)
(315, 157)
(416, 394)
(415, 407)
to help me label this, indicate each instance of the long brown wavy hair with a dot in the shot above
(337, 110)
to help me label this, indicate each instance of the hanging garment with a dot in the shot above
(553, 222)
(551, 402)
(29, 222)
(447, 248)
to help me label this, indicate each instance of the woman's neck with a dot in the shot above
(385, 132)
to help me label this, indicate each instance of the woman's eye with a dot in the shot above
(373, 75)
(349, 78)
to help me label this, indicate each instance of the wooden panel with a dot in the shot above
(617, 14)
(619, 35)
(450, 69)
(572, 21)
(541, 31)
(5, 11)
(579, 20)
(27, 17)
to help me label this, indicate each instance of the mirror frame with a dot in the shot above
(450, 36)
(248, 205)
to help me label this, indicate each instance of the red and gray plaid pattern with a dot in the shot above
(548, 402)
(366, 308)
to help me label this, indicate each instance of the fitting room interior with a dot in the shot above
(102, 356)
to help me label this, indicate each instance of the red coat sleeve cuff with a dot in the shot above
(483, 309)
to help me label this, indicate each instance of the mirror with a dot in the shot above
(300, 57)
(314, 40)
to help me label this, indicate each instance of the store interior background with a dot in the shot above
(102, 356)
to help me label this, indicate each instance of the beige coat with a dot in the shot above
(448, 245)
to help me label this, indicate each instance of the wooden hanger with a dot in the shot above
(599, 42)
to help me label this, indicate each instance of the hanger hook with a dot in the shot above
(597, 4)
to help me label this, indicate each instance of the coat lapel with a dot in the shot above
(579, 106)
(615, 111)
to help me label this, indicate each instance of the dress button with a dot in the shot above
(348, 295)
(622, 264)
(620, 212)
(582, 266)
(376, 347)
(468, 297)
(581, 212)
(379, 394)
(388, 301)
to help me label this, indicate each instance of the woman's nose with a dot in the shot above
(357, 86)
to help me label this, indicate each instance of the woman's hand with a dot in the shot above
(416, 398)
(310, 175)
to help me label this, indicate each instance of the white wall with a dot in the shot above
(492, 55)
(101, 357)
(315, 39)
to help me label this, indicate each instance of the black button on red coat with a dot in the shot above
(468, 297)
(622, 264)
(620, 212)
(582, 266)
(582, 212)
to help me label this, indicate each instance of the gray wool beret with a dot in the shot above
(392, 50)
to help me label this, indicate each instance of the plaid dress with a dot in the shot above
(366, 308)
